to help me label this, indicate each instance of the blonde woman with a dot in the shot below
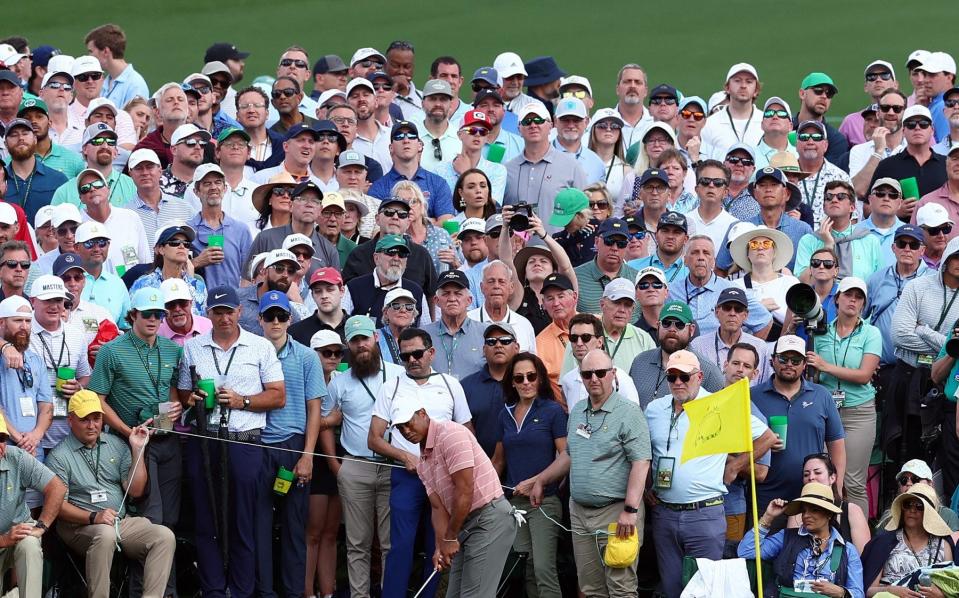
(423, 232)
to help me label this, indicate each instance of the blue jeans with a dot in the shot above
(409, 512)
(699, 534)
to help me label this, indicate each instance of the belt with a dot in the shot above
(693, 506)
(250, 436)
(379, 460)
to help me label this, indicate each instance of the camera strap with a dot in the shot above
(947, 308)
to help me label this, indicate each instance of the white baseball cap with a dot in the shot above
(197, 77)
(477, 225)
(917, 58)
(143, 155)
(945, 62)
(204, 169)
(9, 55)
(91, 229)
(97, 103)
(15, 306)
(280, 255)
(359, 82)
(571, 107)
(174, 289)
(394, 294)
(184, 131)
(364, 53)
(330, 93)
(651, 271)
(741, 67)
(8, 215)
(48, 286)
(85, 64)
(298, 240)
(325, 338)
(790, 342)
(916, 467)
(65, 212)
(715, 100)
(619, 288)
(883, 64)
(44, 216)
(932, 214)
(780, 101)
(604, 113)
(576, 80)
(509, 64)
(852, 282)
(916, 110)
(537, 108)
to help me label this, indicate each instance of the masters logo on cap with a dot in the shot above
(359, 326)
(677, 310)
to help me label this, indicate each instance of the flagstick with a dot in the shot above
(752, 486)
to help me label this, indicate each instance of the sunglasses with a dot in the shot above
(736, 307)
(177, 304)
(829, 92)
(475, 131)
(908, 478)
(696, 115)
(775, 114)
(599, 205)
(827, 264)
(88, 187)
(176, 243)
(637, 236)
(390, 213)
(202, 89)
(221, 83)
(662, 101)
(84, 77)
(289, 92)
(761, 244)
(891, 107)
(326, 353)
(503, 340)
(885, 194)
(584, 338)
(100, 243)
(396, 306)
(810, 136)
(303, 254)
(72, 277)
(922, 124)
(417, 354)
(282, 269)
(396, 252)
(27, 376)
(383, 86)
(902, 244)
(67, 230)
(672, 323)
(437, 149)
(608, 125)
(58, 85)
(784, 359)
(12, 264)
(872, 77)
(950, 103)
(705, 181)
(191, 143)
(249, 105)
(532, 120)
(600, 373)
(934, 231)
(913, 505)
(644, 286)
(579, 94)
(478, 87)
(368, 63)
(400, 136)
(98, 141)
(736, 161)
(672, 378)
(281, 191)
(300, 64)
(842, 196)
(153, 314)
(617, 243)
(527, 377)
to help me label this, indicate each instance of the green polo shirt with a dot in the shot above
(600, 464)
(69, 162)
(848, 352)
(344, 247)
(87, 471)
(136, 377)
(122, 190)
(18, 472)
(623, 350)
(592, 281)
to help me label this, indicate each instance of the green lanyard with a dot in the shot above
(622, 335)
(95, 468)
(947, 308)
(835, 349)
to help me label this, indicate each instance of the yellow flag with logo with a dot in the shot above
(719, 423)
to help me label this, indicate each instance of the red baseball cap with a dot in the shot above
(475, 117)
(329, 275)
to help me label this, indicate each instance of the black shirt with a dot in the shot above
(533, 311)
(579, 246)
(304, 330)
(419, 266)
(652, 330)
(903, 165)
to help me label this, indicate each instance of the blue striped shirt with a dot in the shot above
(303, 375)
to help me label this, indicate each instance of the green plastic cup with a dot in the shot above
(451, 226)
(779, 424)
(283, 481)
(910, 188)
(64, 375)
(208, 386)
(343, 366)
(791, 136)
(215, 241)
(496, 152)
(121, 270)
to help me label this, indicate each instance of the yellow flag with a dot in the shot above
(719, 423)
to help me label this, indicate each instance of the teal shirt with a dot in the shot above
(122, 191)
(69, 162)
(866, 253)
(952, 380)
(19, 471)
(109, 292)
(848, 352)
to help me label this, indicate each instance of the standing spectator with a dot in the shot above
(490, 102)
(631, 90)
(108, 44)
(612, 237)
(53, 155)
(484, 389)
(172, 112)
(777, 125)
(879, 76)
(29, 183)
(732, 311)
(651, 293)
(739, 122)
(495, 287)
(816, 92)
(559, 301)
(439, 137)
(618, 307)
(762, 255)
(885, 201)
(150, 203)
(172, 249)
(99, 150)
(88, 84)
(221, 243)
(457, 340)
(709, 218)
(585, 335)
(473, 136)
(917, 159)
(946, 194)
(287, 96)
(887, 139)
(812, 143)
(570, 122)
(399, 65)
(180, 325)
(671, 237)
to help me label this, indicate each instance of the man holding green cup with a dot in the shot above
(917, 161)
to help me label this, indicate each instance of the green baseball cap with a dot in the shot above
(359, 326)
(35, 103)
(814, 79)
(228, 132)
(678, 310)
(390, 241)
(568, 203)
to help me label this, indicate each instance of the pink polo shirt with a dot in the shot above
(201, 325)
(941, 197)
(450, 447)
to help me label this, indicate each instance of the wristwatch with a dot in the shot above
(630, 509)
(93, 517)
(40, 525)
(246, 402)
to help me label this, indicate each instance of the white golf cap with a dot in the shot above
(8, 215)
(715, 100)
(44, 216)
(175, 289)
(916, 110)
(65, 212)
(184, 131)
(883, 64)
(916, 467)
(61, 64)
(85, 64)
(394, 294)
(364, 53)
(280, 255)
(917, 58)
(298, 240)
(945, 62)
(97, 103)
(536, 108)
(325, 338)
(604, 113)
(15, 306)
(620, 288)
(9, 55)
(571, 107)
(48, 286)
(576, 80)
(329, 94)
(143, 155)
(204, 169)
(197, 77)
(91, 229)
(790, 342)
(359, 82)
(932, 214)
(781, 102)
(477, 225)
(509, 64)
(741, 67)
(853, 282)
(651, 271)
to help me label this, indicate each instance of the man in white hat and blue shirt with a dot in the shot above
(570, 123)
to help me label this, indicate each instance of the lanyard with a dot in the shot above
(450, 352)
(716, 348)
(367, 388)
(947, 308)
(16, 184)
(391, 344)
(622, 335)
(63, 345)
(835, 349)
(146, 365)
(673, 422)
(26, 379)
(95, 468)
(659, 377)
(815, 188)
(696, 293)
(733, 125)
(216, 362)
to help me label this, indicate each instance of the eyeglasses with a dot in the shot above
(177, 243)
(532, 120)
(503, 340)
(584, 338)
(288, 92)
(730, 306)
(391, 213)
(73, 278)
(600, 373)
(645, 286)
(396, 306)
(416, 354)
(99, 243)
(599, 205)
(476, 131)
(691, 114)
(282, 269)
(872, 77)
(84, 77)
(401, 135)
(308, 199)
(775, 114)
(827, 264)
(437, 149)
(761, 244)
(281, 191)
(657, 141)
(580, 94)
(891, 107)
(661, 101)
(343, 120)
(369, 63)
(885, 194)
(835, 196)
(903, 244)
(300, 64)
(684, 378)
(12, 264)
(383, 86)
(810, 136)
(103, 140)
(829, 92)
(912, 124)
(617, 243)
(250, 105)
(711, 182)
(67, 230)
(672, 323)
(153, 314)
(88, 187)
(905, 478)
(913, 505)
(784, 359)
(736, 161)
(233, 145)
(191, 143)
(396, 252)
(950, 103)
(934, 231)
(58, 85)
(608, 125)
(527, 377)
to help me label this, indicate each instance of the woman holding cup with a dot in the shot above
(437, 241)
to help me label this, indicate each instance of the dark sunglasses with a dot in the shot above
(600, 373)
(301, 64)
(281, 191)
(672, 323)
(736, 161)
(276, 315)
(202, 89)
(401, 135)
(98, 141)
(527, 377)
(891, 107)
(478, 87)
(733, 307)
(101, 243)
(638, 235)
(672, 378)
(220, 82)
(84, 77)
(841, 196)
(283, 269)
(810, 136)
(532, 120)
(661, 101)
(585, 338)
(437, 149)
(368, 63)
(705, 181)
(12, 264)
(503, 340)
(396, 306)
(644, 286)
(67, 230)
(829, 92)
(692, 114)
(178, 304)
(908, 477)
(289, 92)
(153, 314)
(913, 505)
(417, 354)
(326, 136)
(383, 86)
(390, 213)
(776, 114)
(885, 194)
(327, 353)
(827, 264)
(608, 125)
(72, 277)
(885, 76)
(599, 205)
(191, 143)
(476, 131)
(396, 252)
(922, 124)
(88, 187)
(58, 85)
(619, 244)
(784, 359)
(950, 103)
(902, 244)
(175, 243)
(934, 231)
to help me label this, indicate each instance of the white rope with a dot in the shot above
(126, 493)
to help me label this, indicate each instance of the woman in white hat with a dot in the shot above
(915, 537)
(606, 139)
(399, 313)
(762, 254)
(812, 560)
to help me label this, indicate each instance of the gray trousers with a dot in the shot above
(485, 541)
(538, 538)
(596, 580)
(365, 493)
(860, 425)
(700, 533)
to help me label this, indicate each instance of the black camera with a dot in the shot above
(952, 345)
(520, 221)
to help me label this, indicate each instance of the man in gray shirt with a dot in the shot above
(458, 340)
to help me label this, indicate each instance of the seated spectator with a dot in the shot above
(651, 293)
(399, 313)
(916, 471)
(494, 286)
(600, 201)
(671, 235)
(915, 537)
(423, 232)
(326, 293)
(473, 134)
(851, 522)
(815, 554)
(363, 293)
(732, 311)
(762, 254)
(458, 340)
(885, 201)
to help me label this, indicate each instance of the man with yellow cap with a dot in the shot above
(19, 533)
(100, 471)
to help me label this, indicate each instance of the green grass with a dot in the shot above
(688, 44)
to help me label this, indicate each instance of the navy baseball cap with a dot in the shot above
(43, 54)
(457, 277)
(910, 230)
(664, 90)
(327, 126)
(298, 129)
(223, 51)
(222, 296)
(10, 77)
(612, 227)
(488, 93)
(654, 174)
(733, 295)
(274, 299)
(558, 281)
(674, 219)
(770, 173)
(404, 124)
(373, 76)
(305, 186)
(66, 262)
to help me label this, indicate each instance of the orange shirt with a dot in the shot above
(551, 348)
